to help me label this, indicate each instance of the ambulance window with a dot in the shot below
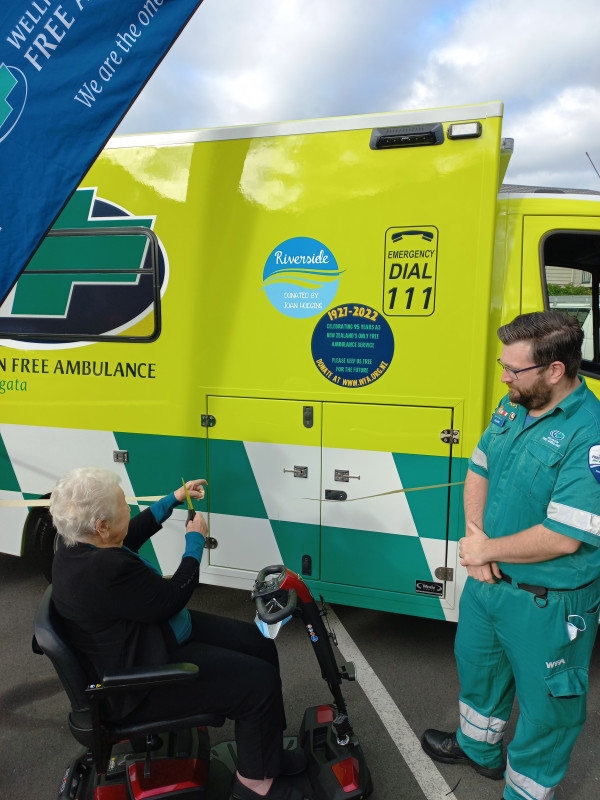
(571, 272)
(88, 284)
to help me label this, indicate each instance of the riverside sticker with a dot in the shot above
(301, 277)
(352, 345)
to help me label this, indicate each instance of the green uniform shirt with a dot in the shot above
(547, 473)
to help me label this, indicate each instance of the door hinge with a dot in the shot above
(208, 421)
(444, 574)
(449, 436)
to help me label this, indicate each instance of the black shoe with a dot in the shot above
(280, 790)
(293, 762)
(444, 747)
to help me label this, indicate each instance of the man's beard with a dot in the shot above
(537, 396)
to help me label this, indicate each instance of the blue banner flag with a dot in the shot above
(69, 70)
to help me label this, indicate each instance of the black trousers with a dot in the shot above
(239, 677)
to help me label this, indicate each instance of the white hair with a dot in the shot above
(80, 499)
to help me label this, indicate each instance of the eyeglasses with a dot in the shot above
(514, 373)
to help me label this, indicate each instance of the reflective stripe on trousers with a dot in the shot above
(480, 728)
(526, 787)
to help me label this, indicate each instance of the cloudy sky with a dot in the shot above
(251, 61)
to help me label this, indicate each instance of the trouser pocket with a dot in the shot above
(569, 683)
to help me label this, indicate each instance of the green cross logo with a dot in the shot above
(42, 294)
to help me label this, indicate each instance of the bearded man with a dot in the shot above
(529, 611)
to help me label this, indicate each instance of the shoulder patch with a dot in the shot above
(594, 461)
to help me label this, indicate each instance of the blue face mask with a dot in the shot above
(270, 631)
(575, 625)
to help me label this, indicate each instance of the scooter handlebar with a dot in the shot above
(269, 594)
(280, 614)
(279, 569)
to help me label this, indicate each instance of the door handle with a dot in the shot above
(343, 475)
(299, 472)
(335, 494)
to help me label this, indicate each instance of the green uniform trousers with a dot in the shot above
(505, 642)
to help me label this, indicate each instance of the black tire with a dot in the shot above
(74, 785)
(41, 538)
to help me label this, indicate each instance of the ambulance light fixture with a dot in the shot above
(406, 136)
(464, 130)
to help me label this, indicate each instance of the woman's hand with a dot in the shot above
(195, 489)
(198, 524)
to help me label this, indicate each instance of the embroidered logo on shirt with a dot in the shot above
(500, 410)
(552, 664)
(555, 438)
(498, 420)
(594, 461)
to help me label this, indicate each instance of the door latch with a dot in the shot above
(299, 472)
(343, 475)
(335, 494)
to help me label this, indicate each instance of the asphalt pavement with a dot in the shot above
(407, 682)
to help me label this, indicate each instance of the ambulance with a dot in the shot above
(305, 314)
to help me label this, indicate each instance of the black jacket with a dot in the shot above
(116, 608)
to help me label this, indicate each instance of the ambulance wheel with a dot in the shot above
(41, 538)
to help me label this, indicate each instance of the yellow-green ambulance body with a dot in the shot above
(305, 314)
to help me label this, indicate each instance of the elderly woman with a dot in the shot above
(120, 612)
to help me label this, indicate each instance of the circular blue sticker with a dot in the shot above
(352, 345)
(301, 277)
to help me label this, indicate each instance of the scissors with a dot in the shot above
(209, 542)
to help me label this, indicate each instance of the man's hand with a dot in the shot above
(486, 573)
(473, 555)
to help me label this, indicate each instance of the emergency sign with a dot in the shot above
(410, 267)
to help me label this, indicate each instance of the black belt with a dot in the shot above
(540, 592)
